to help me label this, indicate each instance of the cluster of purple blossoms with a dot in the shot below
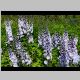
(12, 56)
(22, 25)
(18, 47)
(25, 28)
(73, 52)
(68, 51)
(8, 31)
(64, 56)
(67, 47)
(45, 41)
(56, 39)
(22, 53)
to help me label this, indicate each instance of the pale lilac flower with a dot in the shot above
(22, 25)
(56, 39)
(23, 54)
(73, 50)
(9, 31)
(64, 55)
(13, 58)
(69, 50)
(45, 41)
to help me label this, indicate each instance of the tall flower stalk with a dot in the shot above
(12, 56)
(8, 31)
(25, 28)
(64, 54)
(22, 25)
(45, 41)
(73, 50)
(68, 51)
(25, 58)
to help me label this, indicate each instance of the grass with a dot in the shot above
(58, 23)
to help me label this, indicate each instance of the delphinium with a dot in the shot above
(68, 51)
(22, 25)
(73, 52)
(56, 39)
(9, 35)
(45, 41)
(8, 31)
(13, 58)
(64, 57)
(25, 28)
(25, 58)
